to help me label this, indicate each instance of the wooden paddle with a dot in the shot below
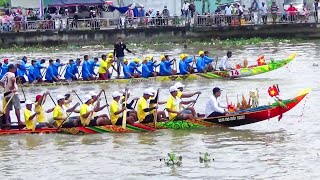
(21, 86)
(5, 107)
(64, 120)
(124, 116)
(215, 67)
(105, 97)
(77, 96)
(60, 74)
(44, 73)
(156, 110)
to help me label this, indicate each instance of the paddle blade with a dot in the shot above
(304, 92)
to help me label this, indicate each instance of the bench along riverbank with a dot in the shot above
(159, 34)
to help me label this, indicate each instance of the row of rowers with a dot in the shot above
(145, 109)
(74, 70)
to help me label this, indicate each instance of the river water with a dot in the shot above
(286, 149)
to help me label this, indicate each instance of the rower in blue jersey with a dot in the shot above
(69, 75)
(75, 68)
(4, 68)
(145, 69)
(57, 65)
(126, 71)
(208, 61)
(151, 64)
(92, 65)
(165, 66)
(133, 68)
(86, 75)
(204, 63)
(22, 69)
(49, 74)
(32, 72)
(37, 69)
(184, 64)
(0, 67)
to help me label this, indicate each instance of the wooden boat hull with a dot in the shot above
(232, 74)
(249, 116)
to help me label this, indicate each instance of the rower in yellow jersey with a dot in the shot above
(152, 103)
(95, 103)
(86, 111)
(41, 117)
(115, 111)
(183, 95)
(59, 113)
(174, 105)
(105, 64)
(29, 115)
(145, 114)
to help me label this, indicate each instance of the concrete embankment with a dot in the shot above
(159, 34)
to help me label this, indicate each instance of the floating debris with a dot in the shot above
(172, 160)
(205, 157)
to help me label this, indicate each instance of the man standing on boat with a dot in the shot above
(9, 82)
(118, 53)
(213, 107)
(224, 63)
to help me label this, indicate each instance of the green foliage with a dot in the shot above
(172, 160)
(205, 157)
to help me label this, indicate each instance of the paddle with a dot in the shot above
(156, 111)
(59, 127)
(5, 107)
(21, 86)
(105, 97)
(44, 73)
(124, 117)
(52, 99)
(60, 74)
(77, 96)
(215, 67)
(190, 105)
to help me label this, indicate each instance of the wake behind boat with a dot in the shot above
(239, 72)
(238, 118)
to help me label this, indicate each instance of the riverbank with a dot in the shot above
(159, 35)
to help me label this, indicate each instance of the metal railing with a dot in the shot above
(175, 21)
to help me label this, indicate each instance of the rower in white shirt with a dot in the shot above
(213, 107)
(224, 62)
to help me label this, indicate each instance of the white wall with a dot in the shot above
(174, 6)
(25, 3)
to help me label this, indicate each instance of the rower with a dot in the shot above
(208, 61)
(86, 75)
(173, 106)
(9, 82)
(37, 68)
(152, 64)
(4, 68)
(165, 66)
(184, 64)
(59, 113)
(29, 116)
(41, 117)
(145, 114)
(152, 103)
(95, 102)
(31, 72)
(126, 71)
(115, 111)
(213, 107)
(146, 70)
(183, 95)
(169, 63)
(69, 75)
(224, 63)
(49, 73)
(75, 69)
(57, 65)
(203, 63)
(133, 68)
(22, 69)
(87, 111)
(105, 64)
(92, 65)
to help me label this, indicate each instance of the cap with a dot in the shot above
(182, 56)
(162, 57)
(173, 88)
(144, 59)
(148, 92)
(6, 60)
(152, 90)
(116, 94)
(150, 58)
(136, 60)
(29, 102)
(125, 60)
(38, 97)
(92, 93)
(179, 85)
(59, 97)
(201, 53)
(87, 97)
(110, 55)
(216, 89)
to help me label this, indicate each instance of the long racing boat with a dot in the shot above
(239, 118)
(230, 74)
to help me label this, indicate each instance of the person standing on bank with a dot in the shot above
(213, 107)
(118, 53)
